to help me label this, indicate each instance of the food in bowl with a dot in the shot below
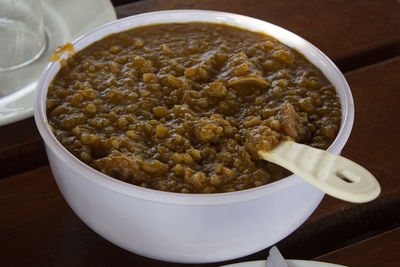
(187, 228)
(184, 107)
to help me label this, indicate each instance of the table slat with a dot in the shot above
(360, 40)
(21, 148)
(35, 218)
(352, 33)
(381, 250)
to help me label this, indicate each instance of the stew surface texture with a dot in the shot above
(185, 107)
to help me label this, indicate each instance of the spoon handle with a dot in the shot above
(333, 174)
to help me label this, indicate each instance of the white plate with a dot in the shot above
(64, 21)
(290, 263)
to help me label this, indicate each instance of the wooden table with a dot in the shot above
(37, 228)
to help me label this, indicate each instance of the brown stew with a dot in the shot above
(186, 107)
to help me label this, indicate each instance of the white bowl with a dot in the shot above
(188, 228)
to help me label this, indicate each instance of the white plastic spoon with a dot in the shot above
(333, 174)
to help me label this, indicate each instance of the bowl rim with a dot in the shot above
(169, 16)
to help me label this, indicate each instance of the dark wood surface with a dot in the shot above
(37, 228)
(382, 249)
(352, 33)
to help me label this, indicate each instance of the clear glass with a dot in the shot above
(22, 35)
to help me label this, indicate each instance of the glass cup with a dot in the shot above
(22, 35)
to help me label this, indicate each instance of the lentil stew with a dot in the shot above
(185, 107)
